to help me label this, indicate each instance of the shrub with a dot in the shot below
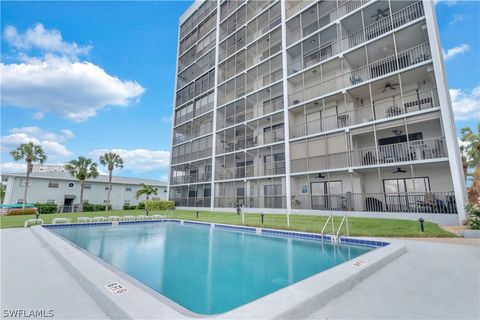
(88, 207)
(141, 205)
(161, 205)
(22, 212)
(473, 216)
(44, 208)
(127, 207)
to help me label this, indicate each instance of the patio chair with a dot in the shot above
(61, 220)
(98, 219)
(84, 219)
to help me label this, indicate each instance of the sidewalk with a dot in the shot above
(31, 279)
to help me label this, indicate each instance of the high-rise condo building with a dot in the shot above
(315, 107)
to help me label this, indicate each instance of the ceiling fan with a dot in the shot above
(391, 86)
(381, 14)
(320, 176)
(400, 170)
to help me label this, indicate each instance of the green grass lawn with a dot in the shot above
(358, 226)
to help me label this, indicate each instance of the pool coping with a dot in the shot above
(299, 299)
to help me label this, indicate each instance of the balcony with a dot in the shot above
(382, 26)
(273, 202)
(293, 7)
(192, 178)
(382, 109)
(412, 202)
(332, 83)
(425, 149)
(192, 202)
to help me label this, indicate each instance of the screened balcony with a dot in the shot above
(326, 80)
(256, 193)
(198, 127)
(342, 7)
(378, 21)
(411, 202)
(423, 149)
(253, 163)
(194, 172)
(198, 195)
(252, 134)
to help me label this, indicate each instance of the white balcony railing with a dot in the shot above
(399, 152)
(384, 25)
(385, 108)
(332, 83)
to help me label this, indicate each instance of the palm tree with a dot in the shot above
(111, 160)
(31, 153)
(82, 169)
(146, 190)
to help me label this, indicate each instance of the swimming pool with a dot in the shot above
(208, 270)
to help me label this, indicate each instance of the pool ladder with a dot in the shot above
(335, 236)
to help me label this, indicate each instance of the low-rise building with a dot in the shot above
(61, 189)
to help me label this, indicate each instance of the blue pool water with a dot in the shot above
(208, 271)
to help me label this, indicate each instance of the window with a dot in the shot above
(52, 184)
(128, 189)
(20, 201)
(87, 186)
(165, 190)
(105, 201)
(50, 202)
(106, 187)
(406, 185)
(126, 203)
(85, 201)
(71, 184)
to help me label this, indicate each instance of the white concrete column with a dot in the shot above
(446, 111)
(215, 104)
(288, 193)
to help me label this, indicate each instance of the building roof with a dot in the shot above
(100, 178)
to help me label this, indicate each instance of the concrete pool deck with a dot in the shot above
(431, 280)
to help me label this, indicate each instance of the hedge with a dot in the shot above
(22, 212)
(127, 207)
(89, 207)
(44, 208)
(161, 205)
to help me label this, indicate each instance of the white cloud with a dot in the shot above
(466, 103)
(73, 90)
(48, 40)
(452, 52)
(139, 160)
(13, 167)
(50, 142)
(57, 82)
(457, 18)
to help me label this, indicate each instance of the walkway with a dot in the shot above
(32, 279)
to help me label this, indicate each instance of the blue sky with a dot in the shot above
(107, 74)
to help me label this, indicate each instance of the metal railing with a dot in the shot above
(421, 202)
(333, 82)
(433, 148)
(268, 201)
(266, 169)
(327, 50)
(384, 25)
(192, 201)
(192, 178)
(385, 108)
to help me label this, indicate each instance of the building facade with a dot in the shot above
(61, 189)
(314, 106)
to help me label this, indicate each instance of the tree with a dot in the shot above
(2, 193)
(82, 169)
(146, 190)
(31, 153)
(471, 156)
(110, 160)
